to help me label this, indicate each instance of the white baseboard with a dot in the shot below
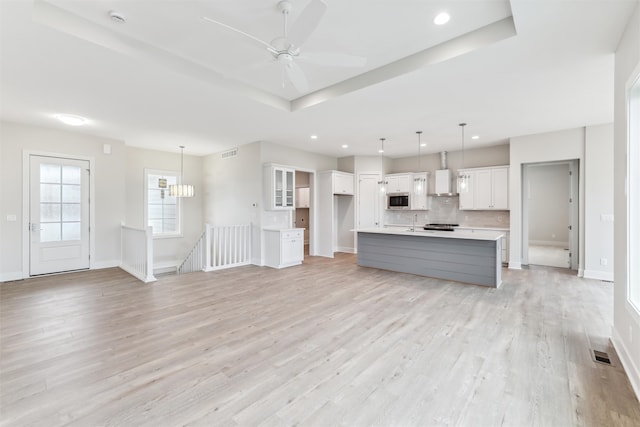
(598, 275)
(549, 243)
(166, 267)
(99, 265)
(10, 277)
(515, 265)
(630, 368)
(345, 249)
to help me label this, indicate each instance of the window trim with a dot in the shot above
(147, 172)
(631, 181)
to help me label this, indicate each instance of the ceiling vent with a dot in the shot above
(230, 153)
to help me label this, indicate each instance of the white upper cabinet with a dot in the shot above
(342, 183)
(302, 197)
(488, 189)
(280, 187)
(399, 183)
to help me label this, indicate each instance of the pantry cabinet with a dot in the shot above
(488, 189)
(279, 187)
(336, 213)
(342, 183)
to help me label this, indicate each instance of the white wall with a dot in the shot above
(626, 326)
(548, 193)
(234, 186)
(109, 198)
(118, 198)
(599, 185)
(167, 252)
(547, 147)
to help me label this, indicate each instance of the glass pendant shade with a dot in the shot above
(181, 190)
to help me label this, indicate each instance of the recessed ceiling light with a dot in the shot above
(345, 146)
(424, 144)
(441, 18)
(71, 120)
(475, 137)
(314, 136)
(380, 151)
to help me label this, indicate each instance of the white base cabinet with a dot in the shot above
(283, 247)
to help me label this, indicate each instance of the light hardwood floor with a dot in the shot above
(326, 343)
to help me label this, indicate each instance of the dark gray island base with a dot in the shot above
(462, 256)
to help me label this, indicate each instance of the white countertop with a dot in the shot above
(459, 227)
(474, 234)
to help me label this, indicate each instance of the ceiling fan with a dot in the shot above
(285, 49)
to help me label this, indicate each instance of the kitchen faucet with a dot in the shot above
(414, 218)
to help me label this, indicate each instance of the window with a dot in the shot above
(60, 202)
(633, 194)
(162, 212)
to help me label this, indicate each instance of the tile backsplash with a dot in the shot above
(445, 210)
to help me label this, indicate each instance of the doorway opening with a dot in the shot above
(550, 214)
(303, 205)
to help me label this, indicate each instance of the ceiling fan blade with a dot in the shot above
(333, 59)
(307, 22)
(262, 43)
(297, 77)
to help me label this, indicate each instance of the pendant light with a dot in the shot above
(419, 181)
(382, 183)
(463, 177)
(180, 189)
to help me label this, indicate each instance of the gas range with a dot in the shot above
(441, 227)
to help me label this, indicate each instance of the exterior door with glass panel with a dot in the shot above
(59, 215)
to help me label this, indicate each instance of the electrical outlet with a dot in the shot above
(603, 261)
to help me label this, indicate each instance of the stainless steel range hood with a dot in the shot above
(443, 179)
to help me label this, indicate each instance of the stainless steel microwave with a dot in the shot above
(398, 201)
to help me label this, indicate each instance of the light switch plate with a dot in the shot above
(11, 218)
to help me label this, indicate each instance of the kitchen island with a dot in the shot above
(461, 255)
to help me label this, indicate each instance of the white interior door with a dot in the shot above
(369, 207)
(59, 215)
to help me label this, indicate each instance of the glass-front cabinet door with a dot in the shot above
(282, 188)
(278, 192)
(289, 189)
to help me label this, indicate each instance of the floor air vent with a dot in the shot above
(601, 357)
(230, 153)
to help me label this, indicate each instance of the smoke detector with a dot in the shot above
(117, 17)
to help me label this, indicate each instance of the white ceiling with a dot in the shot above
(167, 78)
